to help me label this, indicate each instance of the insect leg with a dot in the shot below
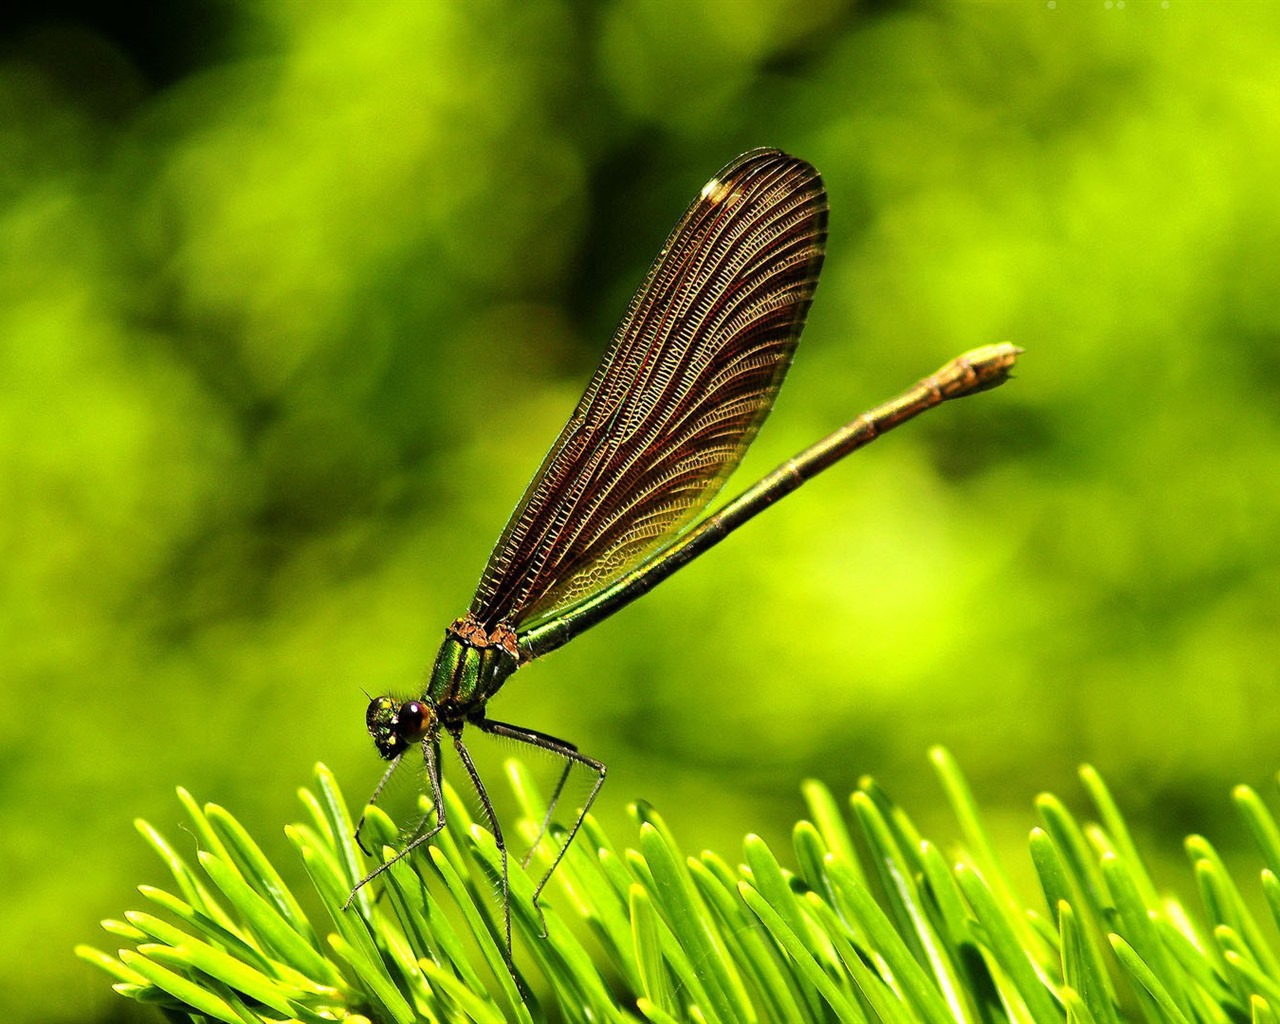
(551, 743)
(377, 792)
(430, 754)
(483, 794)
(551, 807)
(571, 754)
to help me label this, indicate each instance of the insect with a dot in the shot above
(617, 505)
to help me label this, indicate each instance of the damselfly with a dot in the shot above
(618, 504)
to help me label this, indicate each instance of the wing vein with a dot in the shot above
(690, 376)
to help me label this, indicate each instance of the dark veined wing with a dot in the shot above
(687, 381)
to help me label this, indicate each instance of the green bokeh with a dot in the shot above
(283, 334)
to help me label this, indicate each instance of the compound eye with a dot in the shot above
(380, 713)
(412, 720)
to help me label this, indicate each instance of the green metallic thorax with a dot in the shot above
(464, 676)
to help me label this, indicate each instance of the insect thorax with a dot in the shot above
(472, 665)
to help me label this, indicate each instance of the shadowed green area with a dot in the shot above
(290, 312)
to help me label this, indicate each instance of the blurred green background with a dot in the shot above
(293, 298)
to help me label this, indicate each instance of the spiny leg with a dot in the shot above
(556, 745)
(571, 754)
(377, 792)
(487, 806)
(551, 809)
(431, 755)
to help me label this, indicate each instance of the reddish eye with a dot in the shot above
(409, 720)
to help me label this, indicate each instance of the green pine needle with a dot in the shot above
(899, 933)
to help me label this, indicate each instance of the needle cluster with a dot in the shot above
(870, 922)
